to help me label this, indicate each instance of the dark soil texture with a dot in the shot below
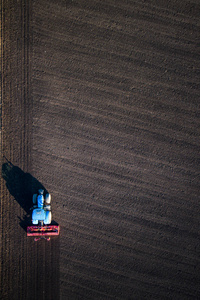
(100, 107)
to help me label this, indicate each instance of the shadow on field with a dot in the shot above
(21, 186)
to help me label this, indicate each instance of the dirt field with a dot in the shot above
(100, 107)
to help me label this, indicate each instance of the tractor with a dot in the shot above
(42, 217)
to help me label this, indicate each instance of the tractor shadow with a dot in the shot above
(21, 186)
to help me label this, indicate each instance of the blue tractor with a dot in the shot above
(41, 218)
(41, 209)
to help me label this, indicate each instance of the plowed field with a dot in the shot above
(100, 107)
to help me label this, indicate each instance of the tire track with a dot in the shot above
(16, 146)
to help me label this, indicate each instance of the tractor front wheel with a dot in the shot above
(48, 198)
(34, 199)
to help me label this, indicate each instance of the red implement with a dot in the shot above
(46, 230)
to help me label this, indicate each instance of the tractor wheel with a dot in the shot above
(34, 199)
(48, 198)
(50, 217)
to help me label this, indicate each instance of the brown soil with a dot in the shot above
(100, 107)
